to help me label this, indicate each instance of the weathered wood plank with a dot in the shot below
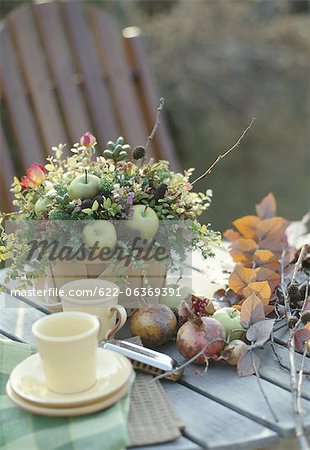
(113, 59)
(37, 76)
(17, 318)
(97, 96)
(222, 384)
(61, 65)
(149, 99)
(271, 370)
(281, 336)
(206, 420)
(29, 146)
(7, 173)
(179, 444)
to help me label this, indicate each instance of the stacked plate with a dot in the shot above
(27, 388)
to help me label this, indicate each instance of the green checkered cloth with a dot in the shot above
(104, 430)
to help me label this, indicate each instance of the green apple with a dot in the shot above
(101, 232)
(145, 221)
(84, 186)
(230, 319)
(175, 294)
(42, 205)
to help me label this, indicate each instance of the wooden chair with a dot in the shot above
(65, 70)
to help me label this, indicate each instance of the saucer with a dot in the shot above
(28, 381)
(78, 410)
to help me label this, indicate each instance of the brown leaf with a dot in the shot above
(265, 258)
(231, 235)
(259, 333)
(245, 364)
(242, 251)
(264, 274)
(252, 310)
(301, 336)
(240, 278)
(307, 304)
(247, 226)
(275, 227)
(267, 207)
(261, 289)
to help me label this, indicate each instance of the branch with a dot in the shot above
(223, 155)
(300, 377)
(157, 122)
(186, 363)
(262, 389)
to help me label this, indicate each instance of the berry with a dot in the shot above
(161, 191)
(87, 203)
(200, 306)
(138, 152)
(291, 321)
(305, 317)
(293, 293)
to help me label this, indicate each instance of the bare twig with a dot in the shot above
(186, 363)
(223, 155)
(294, 384)
(262, 389)
(157, 122)
(300, 377)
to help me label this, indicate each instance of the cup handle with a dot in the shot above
(121, 317)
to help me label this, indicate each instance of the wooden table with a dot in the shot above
(220, 410)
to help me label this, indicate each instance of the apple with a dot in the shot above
(145, 221)
(101, 232)
(84, 186)
(42, 205)
(178, 294)
(230, 319)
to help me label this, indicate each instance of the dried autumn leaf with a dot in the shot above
(242, 251)
(266, 209)
(261, 289)
(240, 278)
(231, 235)
(245, 365)
(247, 226)
(252, 311)
(275, 226)
(264, 274)
(307, 305)
(259, 333)
(267, 259)
(301, 336)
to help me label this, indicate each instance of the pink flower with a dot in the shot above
(35, 176)
(188, 187)
(88, 140)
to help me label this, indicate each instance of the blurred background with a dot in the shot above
(218, 64)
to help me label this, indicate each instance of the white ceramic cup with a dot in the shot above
(98, 297)
(67, 343)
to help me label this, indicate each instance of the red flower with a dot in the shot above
(88, 140)
(35, 176)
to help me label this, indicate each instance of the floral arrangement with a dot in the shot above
(110, 184)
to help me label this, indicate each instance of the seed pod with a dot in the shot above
(161, 191)
(293, 293)
(120, 140)
(291, 321)
(305, 317)
(126, 148)
(138, 152)
(122, 155)
(108, 154)
(302, 290)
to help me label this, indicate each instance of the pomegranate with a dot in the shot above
(155, 325)
(193, 336)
